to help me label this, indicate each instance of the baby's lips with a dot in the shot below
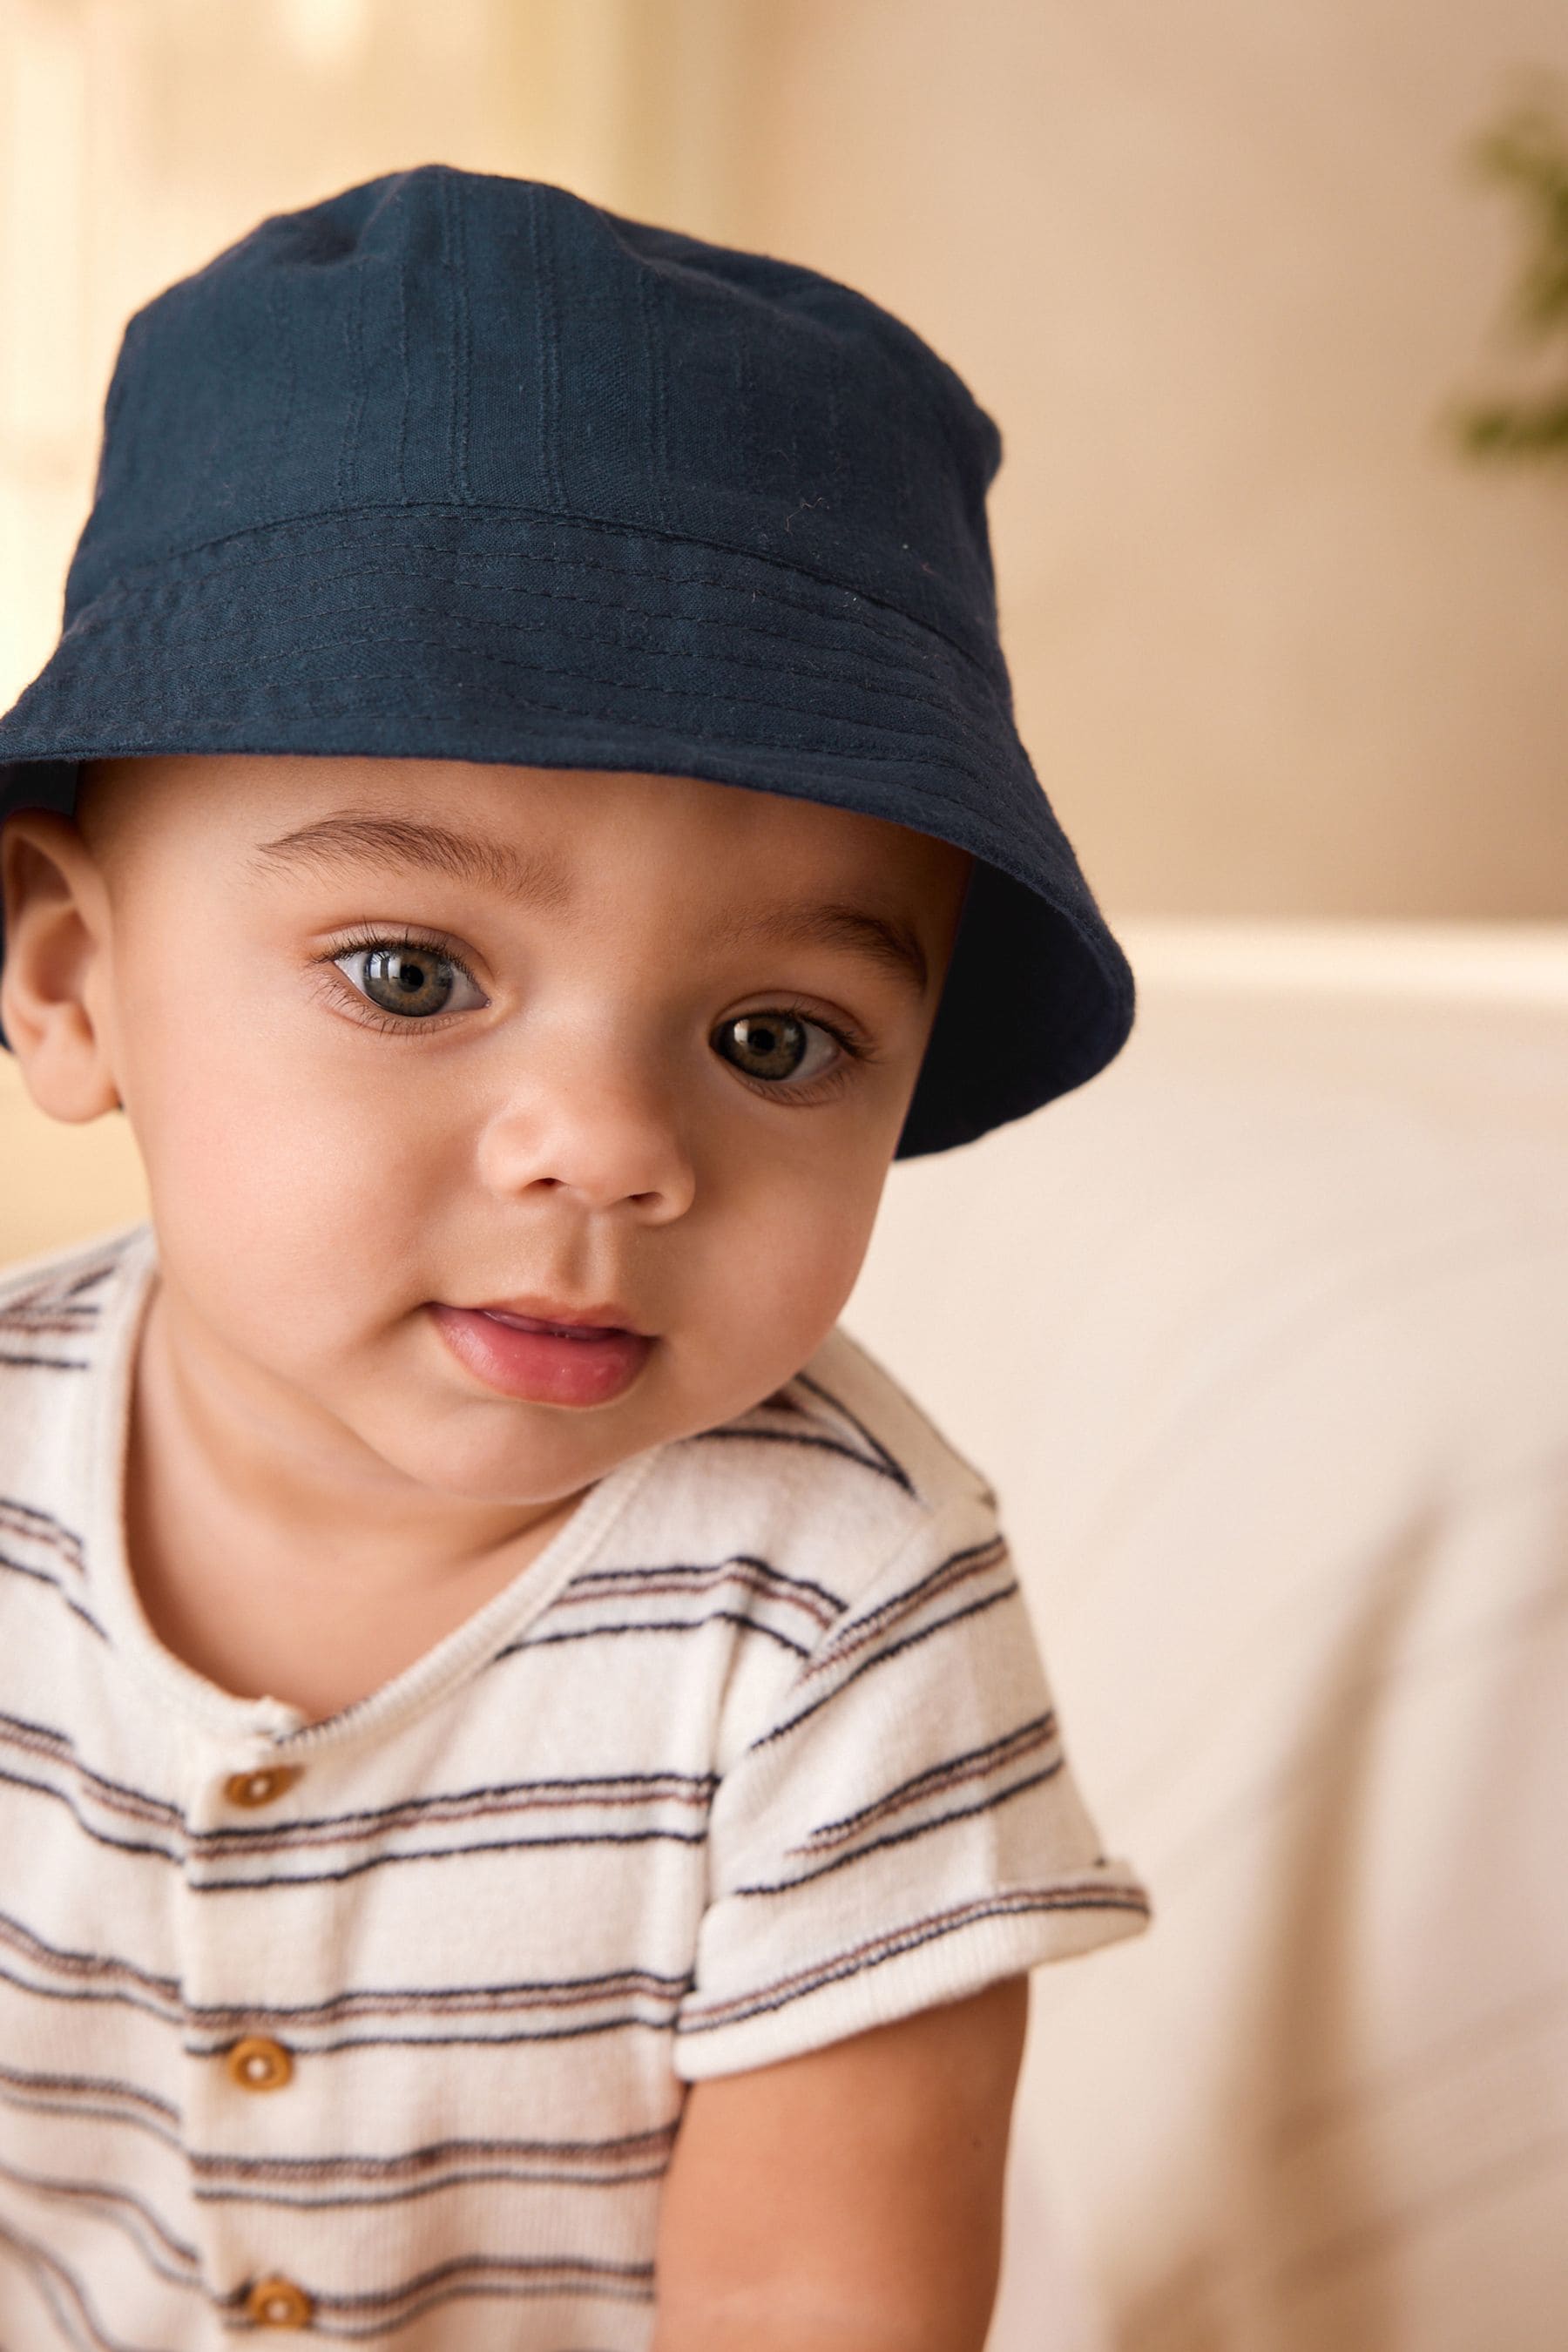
(582, 1331)
(535, 1313)
(542, 1362)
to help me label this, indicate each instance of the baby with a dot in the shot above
(528, 1793)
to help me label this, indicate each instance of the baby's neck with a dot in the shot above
(269, 1584)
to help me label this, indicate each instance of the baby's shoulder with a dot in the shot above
(829, 1480)
(846, 1383)
(53, 1308)
(52, 1305)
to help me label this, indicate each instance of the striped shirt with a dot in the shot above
(379, 2027)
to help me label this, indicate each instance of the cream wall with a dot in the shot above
(1217, 269)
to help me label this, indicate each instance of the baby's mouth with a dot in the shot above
(542, 1360)
(555, 1331)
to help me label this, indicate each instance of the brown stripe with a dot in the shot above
(120, 2208)
(43, 1576)
(631, 1626)
(41, 1526)
(501, 2275)
(906, 1836)
(78, 2320)
(957, 1568)
(47, 1308)
(881, 1657)
(793, 1437)
(703, 2017)
(836, 1404)
(65, 2087)
(25, 1739)
(755, 1575)
(600, 1791)
(105, 1978)
(73, 2089)
(33, 1326)
(974, 1764)
(311, 2183)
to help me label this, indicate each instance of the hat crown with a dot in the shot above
(461, 339)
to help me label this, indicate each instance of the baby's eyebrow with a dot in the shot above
(363, 837)
(883, 939)
(536, 879)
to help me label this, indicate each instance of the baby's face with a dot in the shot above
(402, 1042)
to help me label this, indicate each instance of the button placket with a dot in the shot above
(233, 1976)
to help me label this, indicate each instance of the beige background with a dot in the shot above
(1287, 1361)
(1219, 271)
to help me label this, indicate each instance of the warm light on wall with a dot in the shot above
(324, 33)
(1278, 650)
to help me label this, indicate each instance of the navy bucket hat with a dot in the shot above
(453, 466)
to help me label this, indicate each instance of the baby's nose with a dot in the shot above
(609, 1140)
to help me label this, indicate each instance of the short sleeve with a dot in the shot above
(905, 1828)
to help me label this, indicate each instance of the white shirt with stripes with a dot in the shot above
(378, 2028)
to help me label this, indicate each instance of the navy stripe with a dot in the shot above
(49, 2274)
(1019, 1900)
(507, 2274)
(57, 1747)
(904, 1837)
(103, 2193)
(437, 1854)
(440, 2168)
(44, 1527)
(182, 1860)
(99, 1273)
(15, 2079)
(970, 1560)
(624, 1788)
(794, 1437)
(710, 1572)
(653, 1625)
(881, 1658)
(626, 2021)
(99, 1837)
(42, 1576)
(1038, 1728)
(84, 2095)
(874, 1442)
(490, 2175)
(236, 2018)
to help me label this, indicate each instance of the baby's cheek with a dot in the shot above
(778, 1281)
(278, 1205)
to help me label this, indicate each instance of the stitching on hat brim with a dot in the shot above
(258, 665)
(901, 660)
(602, 524)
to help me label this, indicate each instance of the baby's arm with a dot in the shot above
(848, 2199)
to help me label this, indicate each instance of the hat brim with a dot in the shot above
(480, 634)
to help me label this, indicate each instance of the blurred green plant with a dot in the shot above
(1527, 153)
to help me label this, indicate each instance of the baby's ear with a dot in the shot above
(56, 945)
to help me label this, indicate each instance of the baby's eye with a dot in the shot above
(405, 976)
(776, 1046)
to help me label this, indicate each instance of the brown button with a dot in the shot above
(260, 1788)
(258, 2064)
(278, 2302)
